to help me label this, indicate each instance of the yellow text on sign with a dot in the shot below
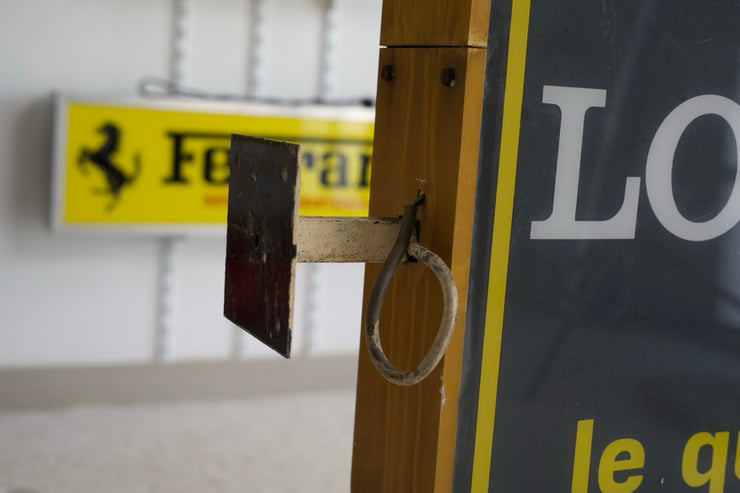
(145, 165)
(621, 462)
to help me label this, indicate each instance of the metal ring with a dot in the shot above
(375, 302)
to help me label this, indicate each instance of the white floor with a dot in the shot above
(272, 443)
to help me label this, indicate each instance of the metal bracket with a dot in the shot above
(405, 245)
(266, 237)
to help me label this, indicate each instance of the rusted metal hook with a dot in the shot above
(404, 246)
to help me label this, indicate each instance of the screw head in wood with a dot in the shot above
(447, 77)
(387, 73)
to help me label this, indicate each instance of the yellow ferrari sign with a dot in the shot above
(150, 167)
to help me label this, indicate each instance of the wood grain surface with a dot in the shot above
(426, 138)
(435, 23)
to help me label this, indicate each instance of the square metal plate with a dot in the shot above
(260, 239)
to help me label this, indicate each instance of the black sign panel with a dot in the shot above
(619, 327)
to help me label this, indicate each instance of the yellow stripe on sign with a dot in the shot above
(500, 246)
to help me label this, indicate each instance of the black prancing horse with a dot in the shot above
(101, 158)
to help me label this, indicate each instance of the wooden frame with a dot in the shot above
(427, 135)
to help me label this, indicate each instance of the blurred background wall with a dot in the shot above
(74, 299)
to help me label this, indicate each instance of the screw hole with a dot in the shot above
(388, 73)
(447, 77)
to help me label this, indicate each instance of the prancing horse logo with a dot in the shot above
(101, 158)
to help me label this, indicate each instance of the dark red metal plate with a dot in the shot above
(260, 248)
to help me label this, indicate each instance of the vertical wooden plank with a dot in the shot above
(427, 136)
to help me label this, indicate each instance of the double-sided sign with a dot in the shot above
(610, 359)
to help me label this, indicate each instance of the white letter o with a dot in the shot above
(659, 169)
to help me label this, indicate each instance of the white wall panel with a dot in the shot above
(75, 301)
(292, 48)
(338, 309)
(199, 329)
(89, 46)
(218, 43)
(69, 299)
(354, 55)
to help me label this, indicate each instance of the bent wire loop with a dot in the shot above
(404, 246)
